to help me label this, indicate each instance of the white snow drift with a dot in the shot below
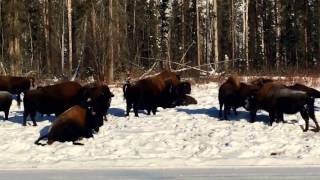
(188, 136)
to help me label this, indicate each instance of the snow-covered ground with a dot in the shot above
(183, 137)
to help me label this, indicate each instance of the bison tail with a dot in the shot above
(37, 142)
(125, 88)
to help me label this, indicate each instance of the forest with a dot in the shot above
(111, 38)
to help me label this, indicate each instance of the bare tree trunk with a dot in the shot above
(306, 34)
(31, 41)
(2, 40)
(69, 9)
(110, 63)
(198, 36)
(183, 29)
(14, 42)
(278, 32)
(245, 32)
(62, 39)
(215, 36)
(232, 32)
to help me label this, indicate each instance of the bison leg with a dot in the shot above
(272, 118)
(135, 109)
(25, 116)
(148, 111)
(18, 100)
(6, 114)
(279, 117)
(154, 110)
(305, 116)
(129, 106)
(33, 115)
(313, 117)
(235, 111)
(226, 108)
(220, 111)
(253, 116)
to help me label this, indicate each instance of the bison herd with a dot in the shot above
(80, 110)
(265, 94)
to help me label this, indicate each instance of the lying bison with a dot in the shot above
(16, 85)
(83, 119)
(186, 100)
(232, 94)
(50, 99)
(5, 103)
(161, 90)
(278, 99)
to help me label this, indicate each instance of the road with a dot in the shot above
(256, 173)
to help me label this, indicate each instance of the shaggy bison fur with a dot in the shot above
(5, 103)
(16, 85)
(278, 99)
(161, 90)
(232, 94)
(50, 99)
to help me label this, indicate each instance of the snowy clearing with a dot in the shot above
(183, 137)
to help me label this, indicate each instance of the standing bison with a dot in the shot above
(278, 99)
(232, 94)
(162, 90)
(50, 99)
(16, 85)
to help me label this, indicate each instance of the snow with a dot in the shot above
(183, 137)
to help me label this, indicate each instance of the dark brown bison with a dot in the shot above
(232, 94)
(16, 85)
(83, 119)
(261, 81)
(75, 123)
(161, 90)
(186, 100)
(278, 99)
(5, 103)
(50, 99)
(310, 91)
(100, 95)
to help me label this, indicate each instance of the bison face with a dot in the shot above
(184, 88)
(99, 102)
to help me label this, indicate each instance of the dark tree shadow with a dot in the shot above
(116, 112)
(18, 117)
(44, 130)
(214, 113)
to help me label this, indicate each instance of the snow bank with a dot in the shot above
(190, 136)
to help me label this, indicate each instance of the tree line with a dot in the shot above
(109, 38)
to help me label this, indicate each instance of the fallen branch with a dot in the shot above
(149, 71)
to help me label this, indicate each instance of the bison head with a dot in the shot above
(98, 99)
(184, 88)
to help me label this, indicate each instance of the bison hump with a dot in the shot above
(234, 80)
